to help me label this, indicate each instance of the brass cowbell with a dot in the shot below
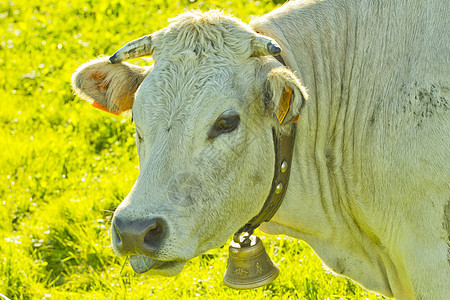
(249, 265)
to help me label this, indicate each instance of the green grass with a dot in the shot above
(64, 167)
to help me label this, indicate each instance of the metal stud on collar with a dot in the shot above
(279, 188)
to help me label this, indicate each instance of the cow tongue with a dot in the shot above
(141, 264)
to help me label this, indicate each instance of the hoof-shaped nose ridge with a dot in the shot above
(138, 236)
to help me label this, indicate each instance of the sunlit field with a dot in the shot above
(65, 166)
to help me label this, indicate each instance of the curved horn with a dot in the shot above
(262, 46)
(137, 48)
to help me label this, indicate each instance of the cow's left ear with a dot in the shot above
(284, 94)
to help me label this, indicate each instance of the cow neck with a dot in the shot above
(283, 141)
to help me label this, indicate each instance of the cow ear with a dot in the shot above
(284, 95)
(110, 87)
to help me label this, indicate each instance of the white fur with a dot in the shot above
(372, 173)
(369, 188)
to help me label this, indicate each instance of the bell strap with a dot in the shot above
(284, 148)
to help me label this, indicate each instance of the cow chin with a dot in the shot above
(142, 264)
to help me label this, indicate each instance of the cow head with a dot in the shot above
(204, 113)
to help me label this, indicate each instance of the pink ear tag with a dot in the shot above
(99, 106)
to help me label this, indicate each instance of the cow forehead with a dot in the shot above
(190, 90)
(208, 32)
(199, 58)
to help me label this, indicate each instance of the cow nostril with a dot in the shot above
(154, 235)
(138, 236)
(115, 235)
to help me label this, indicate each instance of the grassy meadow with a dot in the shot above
(64, 167)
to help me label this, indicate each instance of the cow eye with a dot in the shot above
(227, 122)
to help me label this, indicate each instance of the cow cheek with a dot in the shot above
(183, 190)
(241, 201)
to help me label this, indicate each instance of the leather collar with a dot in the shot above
(284, 148)
(283, 141)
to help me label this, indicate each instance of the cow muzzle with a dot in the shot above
(143, 236)
(141, 240)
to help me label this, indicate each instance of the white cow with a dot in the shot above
(370, 180)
